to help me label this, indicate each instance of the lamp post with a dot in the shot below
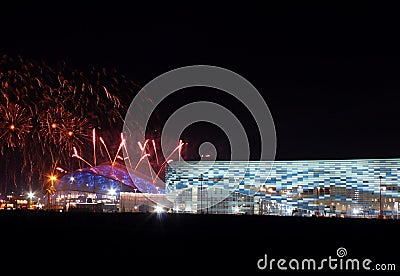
(112, 192)
(318, 201)
(50, 190)
(380, 198)
(30, 197)
(299, 190)
(201, 193)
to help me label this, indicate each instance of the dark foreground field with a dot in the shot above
(145, 244)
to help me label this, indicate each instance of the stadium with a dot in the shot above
(342, 188)
(345, 188)
(97, 188)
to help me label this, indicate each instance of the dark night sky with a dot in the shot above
(329, 73)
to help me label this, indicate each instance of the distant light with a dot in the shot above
(236, 209)
(31, 195)
(53, 177)
(356, 211)
(72, 179)
(12, 127)
(70, 133)
(158, 209)
(53, 125)
(111, 191)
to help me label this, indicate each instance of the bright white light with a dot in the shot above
(111, 191)
(31, 195)
(72, 179)
(356, 211)
(158, 209)
(236, 209)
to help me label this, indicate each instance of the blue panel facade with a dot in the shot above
(351, 186)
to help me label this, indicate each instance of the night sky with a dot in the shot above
(328, 73)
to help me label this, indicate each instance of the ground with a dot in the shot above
(184, 244)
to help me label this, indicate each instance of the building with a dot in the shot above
(96, 188)
(144, 202)
(347, 188)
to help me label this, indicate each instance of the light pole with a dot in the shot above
(112, 193)
(318, 201)
(380, 198)
(50, 190)
(30, 196)
(299, 189)
(201, 193)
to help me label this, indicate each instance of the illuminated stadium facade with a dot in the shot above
(350, 188)
(97, 185)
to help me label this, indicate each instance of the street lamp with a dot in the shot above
(380, 197)
(299, 189)
(30, 196)
(201, 193)
(318, 201)
(50, 189)
(112, 192)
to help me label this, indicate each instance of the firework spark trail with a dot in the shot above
(167, 159)
(143, 153)
(142, 147)
(80, 158)
(119, 148)
(141, 158)
(126, 151)
(155, 151)
(161, 168)
(147, 146)
(180, 150)
(108, 153)
(150, 167)
(94, 146)
(122, 136)
(61, 170)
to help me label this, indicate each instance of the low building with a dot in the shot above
(346, 188)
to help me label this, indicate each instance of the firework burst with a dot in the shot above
(47, 111)
(15, 126)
